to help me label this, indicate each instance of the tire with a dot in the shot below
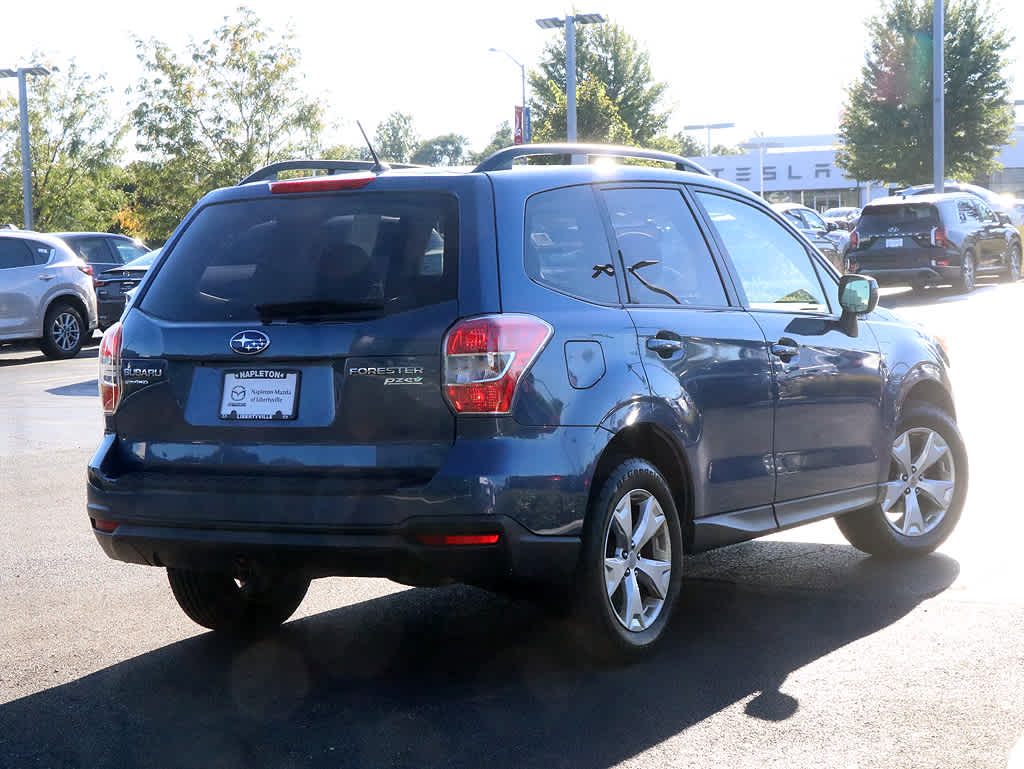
(887, 531)
(248, 607)
(63, 332)
(1012, 273)
(966, 281)
(608, 625)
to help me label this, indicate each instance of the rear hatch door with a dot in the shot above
(896, 236)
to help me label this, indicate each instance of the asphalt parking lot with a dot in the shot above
(792, 651)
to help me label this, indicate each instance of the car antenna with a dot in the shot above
(377, 165)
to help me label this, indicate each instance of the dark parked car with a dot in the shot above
(113, 286)
(1001, 204)
(828, 239)
(104, 251)
(557, 377)
(927, 240)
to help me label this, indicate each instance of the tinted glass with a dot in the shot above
(773, 267)
(41, 252)
(128, 251)
(814, 221)
(566, 247)
(368, 251)
(143, 261)
(986, 213)
(14, 253)
(93, 250)
(967, 211)
(666, 258)
(876, 220)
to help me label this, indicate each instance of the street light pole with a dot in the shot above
(522, 72)
(570, 22)
(26, 156)
(761, 144)
(708, 127)
(939, 106)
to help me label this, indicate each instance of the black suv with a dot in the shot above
(555, 377)
(931, 239)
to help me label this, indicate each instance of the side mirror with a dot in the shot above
(831, 226)
(1004, 218)
(858, 294)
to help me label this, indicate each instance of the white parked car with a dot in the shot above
(46, 293)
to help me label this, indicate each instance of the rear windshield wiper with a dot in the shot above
(312, 309)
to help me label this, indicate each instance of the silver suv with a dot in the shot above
(46, 293)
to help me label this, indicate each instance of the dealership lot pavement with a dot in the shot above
(794, 651)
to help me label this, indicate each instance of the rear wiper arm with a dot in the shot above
(312, 309)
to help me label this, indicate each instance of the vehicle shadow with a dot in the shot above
(88, 388)
(460, 678)
(929, 296)
(21, 355)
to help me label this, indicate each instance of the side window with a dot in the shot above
(93, 250)
(666, 259)
(967, 212)
(814, 221)
(566, 247)
(773, 267)
(14, 253)
(986, 213)
(41, 252)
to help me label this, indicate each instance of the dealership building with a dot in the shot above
(802, 169)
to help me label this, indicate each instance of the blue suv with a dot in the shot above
(559, 377)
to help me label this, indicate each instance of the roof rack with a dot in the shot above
(271, 172)
(502, 159)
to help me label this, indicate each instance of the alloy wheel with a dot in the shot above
(922, 482)
(638, 560)
(66, 331)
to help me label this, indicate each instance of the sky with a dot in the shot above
(777, 68)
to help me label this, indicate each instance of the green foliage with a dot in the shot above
(617, 96)
(446, 150)
(75, 148)
(229, 105)
(395, 138)
(678, 144)
(502, 138)
(886, 129)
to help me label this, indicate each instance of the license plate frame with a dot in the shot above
(238, 406)
(894, 242)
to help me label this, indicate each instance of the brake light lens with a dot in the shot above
(110, 369)
(939, 237)
(486, 357)
(459, 539)
(323, 183)
(86, 268)
(854, 239)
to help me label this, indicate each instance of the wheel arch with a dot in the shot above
(650, 442)
(930, 391)
(72, 299)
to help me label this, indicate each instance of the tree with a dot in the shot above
(597, 118)
(886, 128)
(678, 144)
(502, 138)
(605, 53)
(75, 146)
(446, 150)
(230, 105)
(395, 138)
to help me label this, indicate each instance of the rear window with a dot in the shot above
(912, 217)
(371, 252)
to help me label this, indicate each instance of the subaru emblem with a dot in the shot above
(249, 342)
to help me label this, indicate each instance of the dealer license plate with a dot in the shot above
(894, 242)
(265, 394)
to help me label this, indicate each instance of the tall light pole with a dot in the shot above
(762, 145)
(939, 106)
(570, 22)
(708, 127)
(526, 110)
(26, 157)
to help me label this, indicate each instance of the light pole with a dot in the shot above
(939, 97)
(26, 157)
(708, 127)
(762, 145)
(526, 110)
(570, 22)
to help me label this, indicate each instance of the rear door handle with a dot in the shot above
(44, 276)
(786, 349)
(664, 347)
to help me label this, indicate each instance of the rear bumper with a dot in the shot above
(397, 553)
(909, 276)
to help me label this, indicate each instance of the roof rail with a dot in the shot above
(271, 172)
(502, 159)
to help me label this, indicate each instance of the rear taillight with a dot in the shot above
(939, 237)
(86, 268)
(854, 239)
(485, 357)
(458, 539)
(322, 184)
(110, 369)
